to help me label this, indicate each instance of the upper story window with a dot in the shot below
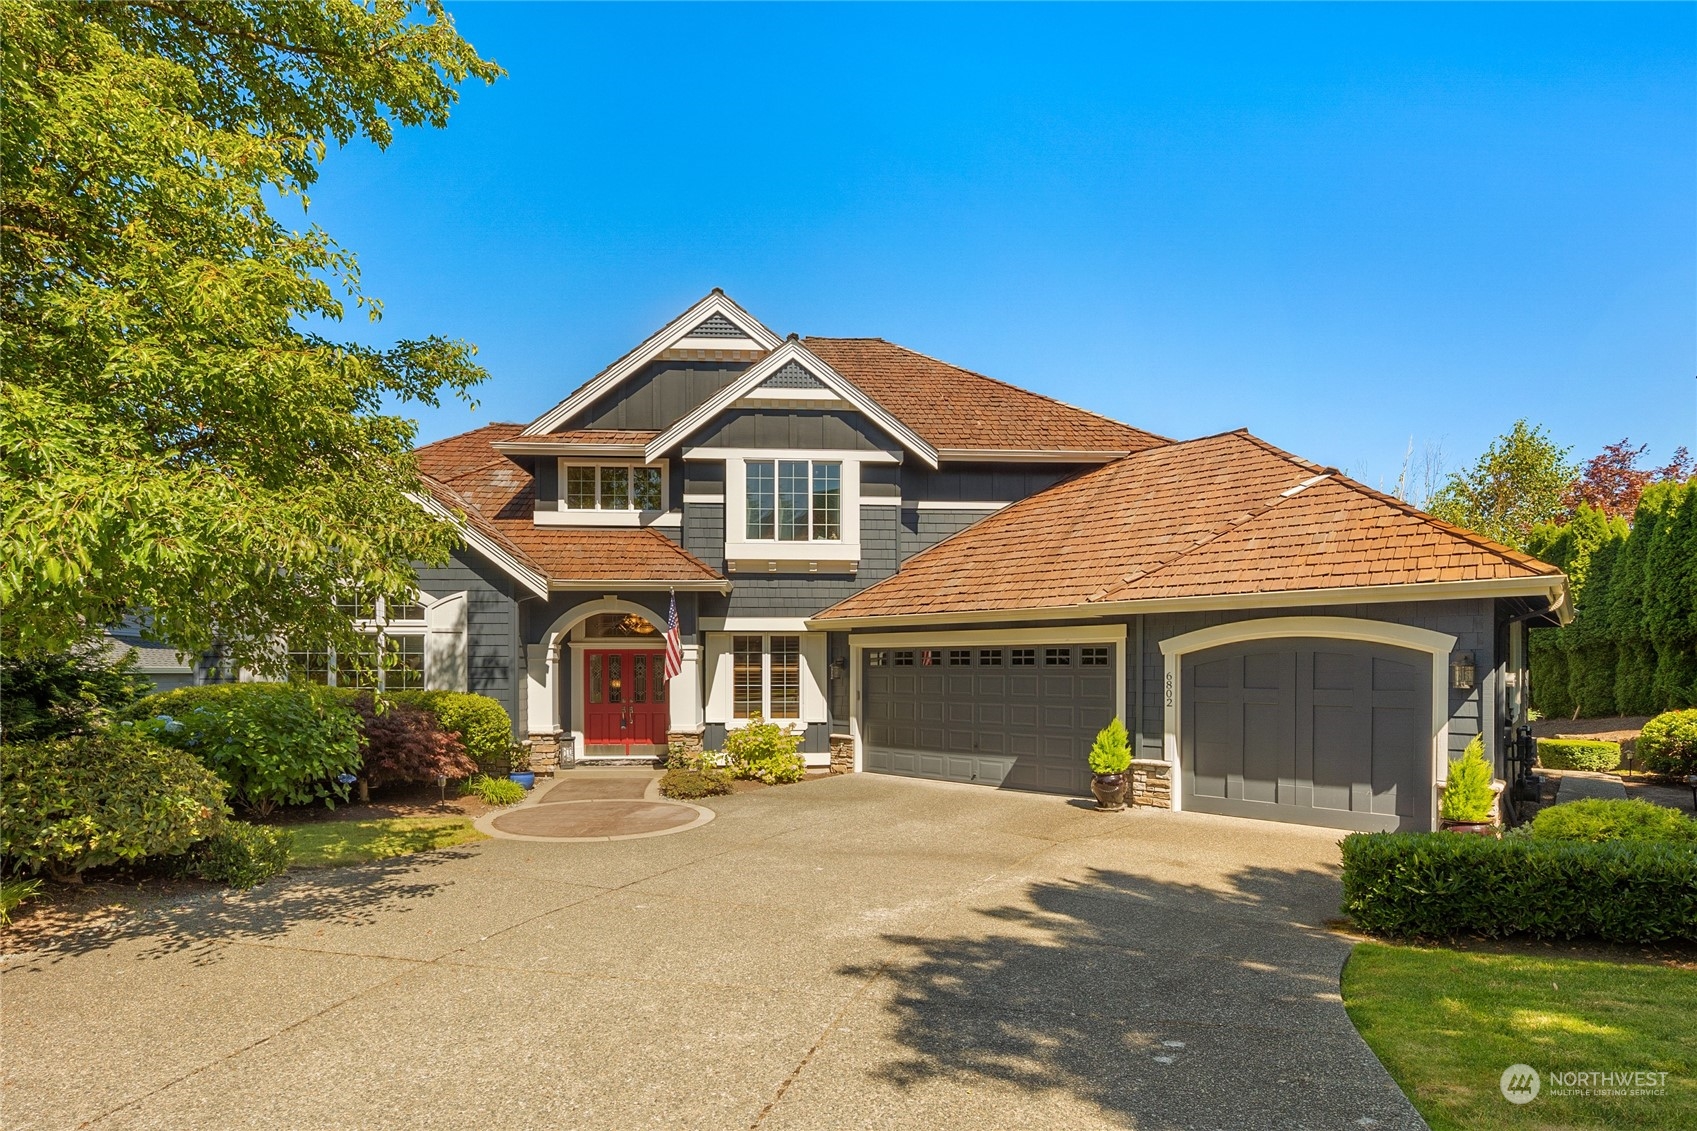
(612, 487)
(794, 500)
(391, 656)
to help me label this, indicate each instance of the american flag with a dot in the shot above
(674, 642)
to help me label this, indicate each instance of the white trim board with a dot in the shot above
(669, 335)
(751, 378)
(1438, 645)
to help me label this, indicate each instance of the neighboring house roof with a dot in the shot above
(1220, 516)
(152, 657)
(954, 409)
(497, 497)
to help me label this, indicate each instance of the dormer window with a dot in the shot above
(612, 487)
(794, 500)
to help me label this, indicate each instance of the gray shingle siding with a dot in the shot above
(922, 529)
(492, 625)
(979, 482)
(817, 740)
(790, 594)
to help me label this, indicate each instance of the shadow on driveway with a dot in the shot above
(1160, 1003)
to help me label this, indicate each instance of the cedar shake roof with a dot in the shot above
(951, 407)
(498, 497)
(1227, 514)
(563, 440)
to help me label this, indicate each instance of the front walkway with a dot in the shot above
(853, 952)
(621, 803)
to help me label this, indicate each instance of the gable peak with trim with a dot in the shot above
(933, 408)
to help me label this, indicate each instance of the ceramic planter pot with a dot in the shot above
(1109, 790)
(527, 780)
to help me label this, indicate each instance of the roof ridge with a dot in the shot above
(1006, 385)
(1472, 537)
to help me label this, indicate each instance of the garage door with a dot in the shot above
(1021, 717)
(1319, 732)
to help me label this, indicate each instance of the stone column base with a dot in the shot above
(545, 752)
(1151, 783)
(688, 740)
(842, 754)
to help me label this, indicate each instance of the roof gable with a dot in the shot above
(798, 369)
(716, 322)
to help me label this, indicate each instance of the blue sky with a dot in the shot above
(1342, 227)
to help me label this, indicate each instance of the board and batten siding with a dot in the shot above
(492, 626)
(658, 395)
(794, 430)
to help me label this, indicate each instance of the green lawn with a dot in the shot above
(1447, 1022)
(327, 843)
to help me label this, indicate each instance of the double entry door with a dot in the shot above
(624, 698)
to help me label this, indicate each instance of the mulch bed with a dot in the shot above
(389, 801)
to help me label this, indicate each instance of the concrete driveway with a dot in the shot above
(856, 952)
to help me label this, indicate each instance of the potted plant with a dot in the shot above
(518, 761)
(1469, 794)
(1110, 757)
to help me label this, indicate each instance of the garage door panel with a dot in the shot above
(1317, 732)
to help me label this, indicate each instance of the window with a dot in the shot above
(904, 659)
(391, 657)
(878, 659)
(1022, 657)
(613, 487)
(930, 657)
(1057, 657)
(990, 657)
(766, 677)
(603, 626)
(960, 657)
(793, 500)
(1093, 657)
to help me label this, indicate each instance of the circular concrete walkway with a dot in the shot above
(595, 804)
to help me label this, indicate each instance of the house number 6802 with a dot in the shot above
(1169, 689)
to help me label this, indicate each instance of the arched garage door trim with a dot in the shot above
(1437, 644)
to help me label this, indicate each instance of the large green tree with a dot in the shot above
(1518, 483)
(179, 434)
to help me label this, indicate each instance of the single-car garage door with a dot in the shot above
(1319, 732)
(1021, 717)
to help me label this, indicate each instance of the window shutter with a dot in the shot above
(445, 663)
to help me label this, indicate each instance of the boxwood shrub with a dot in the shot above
(1578, 754)
(273, 743)
(103, 798)
(1668, 743)
(481, 722)
(1599, 819)
(241, 855)
(1441, 885)
(687, 785)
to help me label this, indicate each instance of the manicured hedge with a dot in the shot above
(1600, 819)
(1441, 885)
(1578, 754)
(1668, 743)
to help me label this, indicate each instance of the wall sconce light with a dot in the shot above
(837, 668)
(1463, 672)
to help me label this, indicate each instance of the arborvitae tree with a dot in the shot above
(1635, 656)
(1569, 547)
(1590, 647)
(1670, 593)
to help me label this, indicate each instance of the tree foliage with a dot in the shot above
(177, 436)
(1612, 482)
(1518, 483)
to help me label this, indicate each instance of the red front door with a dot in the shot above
(624, 698)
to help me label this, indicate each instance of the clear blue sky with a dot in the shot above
(1341, 227)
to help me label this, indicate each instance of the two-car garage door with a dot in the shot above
(1022, 717)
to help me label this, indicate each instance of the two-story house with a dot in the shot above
(933, 573)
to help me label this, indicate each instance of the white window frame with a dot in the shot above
(609, 516)
(745, 555)
(379, 628)
(765, 639)
(808, 521)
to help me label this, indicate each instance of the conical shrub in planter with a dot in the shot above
(1468, 797)
(1110, 757)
